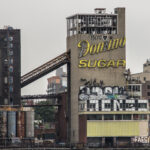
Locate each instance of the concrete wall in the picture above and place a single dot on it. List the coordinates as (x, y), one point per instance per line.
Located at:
(110, 76)
(143, 76)
(61, 119)
(117, 128)
(83, 128)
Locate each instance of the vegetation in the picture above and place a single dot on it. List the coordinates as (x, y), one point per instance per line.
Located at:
(45, 113)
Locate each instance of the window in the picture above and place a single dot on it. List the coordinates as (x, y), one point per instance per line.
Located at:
(144, 78)
(127, 117)
(94, 117)
(129, 88)
(115, 90)
(5, 80)
(143, 105)
(92, 106)
(11, 101)
(10, 89)
(148, 93)
(134, 88)
(107, 105)
(137, 88)
(139, 117)
(143, 117)
(11, 52)
(82, 106)
(5, 61)
(5, 101)
(11, 61)
(108, 117)
(118, 117)
(11, 69)
(11, 80)
(135, 117)
(148, 86)
(10, 45)
(10, 38)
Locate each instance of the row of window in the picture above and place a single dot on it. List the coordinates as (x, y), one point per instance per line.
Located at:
(10, 69)
(134, 88)
(108, 105)
(6, 102)
(117, 117)
(8, 62)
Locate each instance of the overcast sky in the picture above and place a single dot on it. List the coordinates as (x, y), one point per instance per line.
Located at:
(43, 30)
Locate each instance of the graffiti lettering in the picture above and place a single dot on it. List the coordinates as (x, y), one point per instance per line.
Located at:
(92, 82)
(140, 139)
(99, 104)
(99, 98)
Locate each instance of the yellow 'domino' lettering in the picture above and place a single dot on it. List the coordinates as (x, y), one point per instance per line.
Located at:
(84, 52)
(93, 49)
(109, 45)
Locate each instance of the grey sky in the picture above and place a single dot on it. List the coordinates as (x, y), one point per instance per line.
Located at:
(43, 30)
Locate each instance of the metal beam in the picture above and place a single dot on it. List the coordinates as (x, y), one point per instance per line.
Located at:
(40, 96)
(34, 105)
(45, 69)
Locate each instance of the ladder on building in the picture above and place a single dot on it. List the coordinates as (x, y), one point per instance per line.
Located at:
(45, 69)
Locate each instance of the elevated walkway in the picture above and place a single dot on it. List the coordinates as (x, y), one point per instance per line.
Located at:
(44, 69)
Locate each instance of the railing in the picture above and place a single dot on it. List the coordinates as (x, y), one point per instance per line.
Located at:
(41, 100)
(31, 143)
(40, 96)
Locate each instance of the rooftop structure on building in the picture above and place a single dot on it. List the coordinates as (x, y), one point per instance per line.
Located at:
(99, 22)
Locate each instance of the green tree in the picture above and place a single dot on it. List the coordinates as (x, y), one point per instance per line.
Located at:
(45, 113)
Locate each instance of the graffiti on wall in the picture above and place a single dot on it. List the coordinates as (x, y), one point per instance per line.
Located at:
(93, 96)
(96, 89)
(141, 139)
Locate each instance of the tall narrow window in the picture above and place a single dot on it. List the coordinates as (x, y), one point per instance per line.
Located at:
(11, 61)
(6, 101)
(5, 80)
(11, 89)
(10, 52)
(11, 80)
(11, 69)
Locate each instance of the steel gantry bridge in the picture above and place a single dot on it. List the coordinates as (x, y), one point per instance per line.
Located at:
(33, 100)
(40, 72)
(45, 69)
